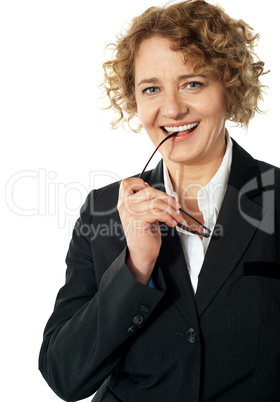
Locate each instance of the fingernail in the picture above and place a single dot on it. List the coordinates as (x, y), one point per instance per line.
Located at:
(177, 203)
(180, 218)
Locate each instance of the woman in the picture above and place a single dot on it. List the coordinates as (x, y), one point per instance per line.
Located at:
(176, 306)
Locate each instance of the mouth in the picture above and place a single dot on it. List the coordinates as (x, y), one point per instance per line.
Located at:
(186, 128)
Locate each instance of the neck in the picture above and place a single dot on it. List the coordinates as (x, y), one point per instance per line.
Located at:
(187, 179)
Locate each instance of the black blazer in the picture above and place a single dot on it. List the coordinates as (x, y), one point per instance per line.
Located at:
(165, 344)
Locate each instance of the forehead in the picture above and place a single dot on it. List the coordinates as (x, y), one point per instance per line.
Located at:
(155, 55)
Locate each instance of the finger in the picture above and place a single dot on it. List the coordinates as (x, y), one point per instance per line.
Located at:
(130, 186)
(156, 206)
(154, 217)
(150, 193)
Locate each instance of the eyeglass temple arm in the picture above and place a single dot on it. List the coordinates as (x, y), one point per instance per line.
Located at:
(165, 139)
(197, 221)
(187, 229)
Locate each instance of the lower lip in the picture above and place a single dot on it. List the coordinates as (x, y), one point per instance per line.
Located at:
(183, 135)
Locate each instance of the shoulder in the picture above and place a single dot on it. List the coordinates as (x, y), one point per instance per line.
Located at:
(270, 179)
(264, 167)
(101, 200)
(270, 174)
(247, 169)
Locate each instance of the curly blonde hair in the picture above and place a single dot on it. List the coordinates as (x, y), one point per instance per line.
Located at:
(219, 43)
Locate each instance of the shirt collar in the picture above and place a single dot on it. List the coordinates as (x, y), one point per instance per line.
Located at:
(211, 196)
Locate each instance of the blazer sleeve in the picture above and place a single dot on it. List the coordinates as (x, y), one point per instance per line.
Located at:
(93, 320)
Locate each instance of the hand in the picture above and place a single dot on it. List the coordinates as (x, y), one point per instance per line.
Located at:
(141, 208)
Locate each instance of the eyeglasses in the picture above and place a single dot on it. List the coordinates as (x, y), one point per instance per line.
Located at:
(180, 225)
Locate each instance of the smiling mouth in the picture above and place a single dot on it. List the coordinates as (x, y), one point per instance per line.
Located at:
(184, 128)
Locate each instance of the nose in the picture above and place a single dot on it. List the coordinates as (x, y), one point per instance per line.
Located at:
(173, 106)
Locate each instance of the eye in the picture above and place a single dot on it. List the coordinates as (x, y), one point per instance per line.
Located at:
(193, 85)
(151, 90)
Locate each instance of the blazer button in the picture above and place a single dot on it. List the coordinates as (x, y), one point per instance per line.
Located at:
(138, 320)
(131, 330)
(191, 336)
(144, 309)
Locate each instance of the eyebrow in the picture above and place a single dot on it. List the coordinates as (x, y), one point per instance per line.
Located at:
(155, 80)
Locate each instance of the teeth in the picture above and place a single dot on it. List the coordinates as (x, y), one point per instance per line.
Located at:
(181, 128)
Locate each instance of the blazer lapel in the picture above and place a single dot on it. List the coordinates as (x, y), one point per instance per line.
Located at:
(234, 229)
(172, 262)
(175, 272)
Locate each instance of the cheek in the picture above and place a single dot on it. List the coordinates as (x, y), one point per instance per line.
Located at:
(214, 104)
(145, 114)
(214, 109)
(141, 114)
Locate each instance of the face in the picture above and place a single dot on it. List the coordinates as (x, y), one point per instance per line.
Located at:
(170, 97)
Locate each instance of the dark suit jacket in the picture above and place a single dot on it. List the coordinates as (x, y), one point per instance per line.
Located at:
(165, 344)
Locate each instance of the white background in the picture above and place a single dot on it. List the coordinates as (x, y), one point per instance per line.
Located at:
(57, 145)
